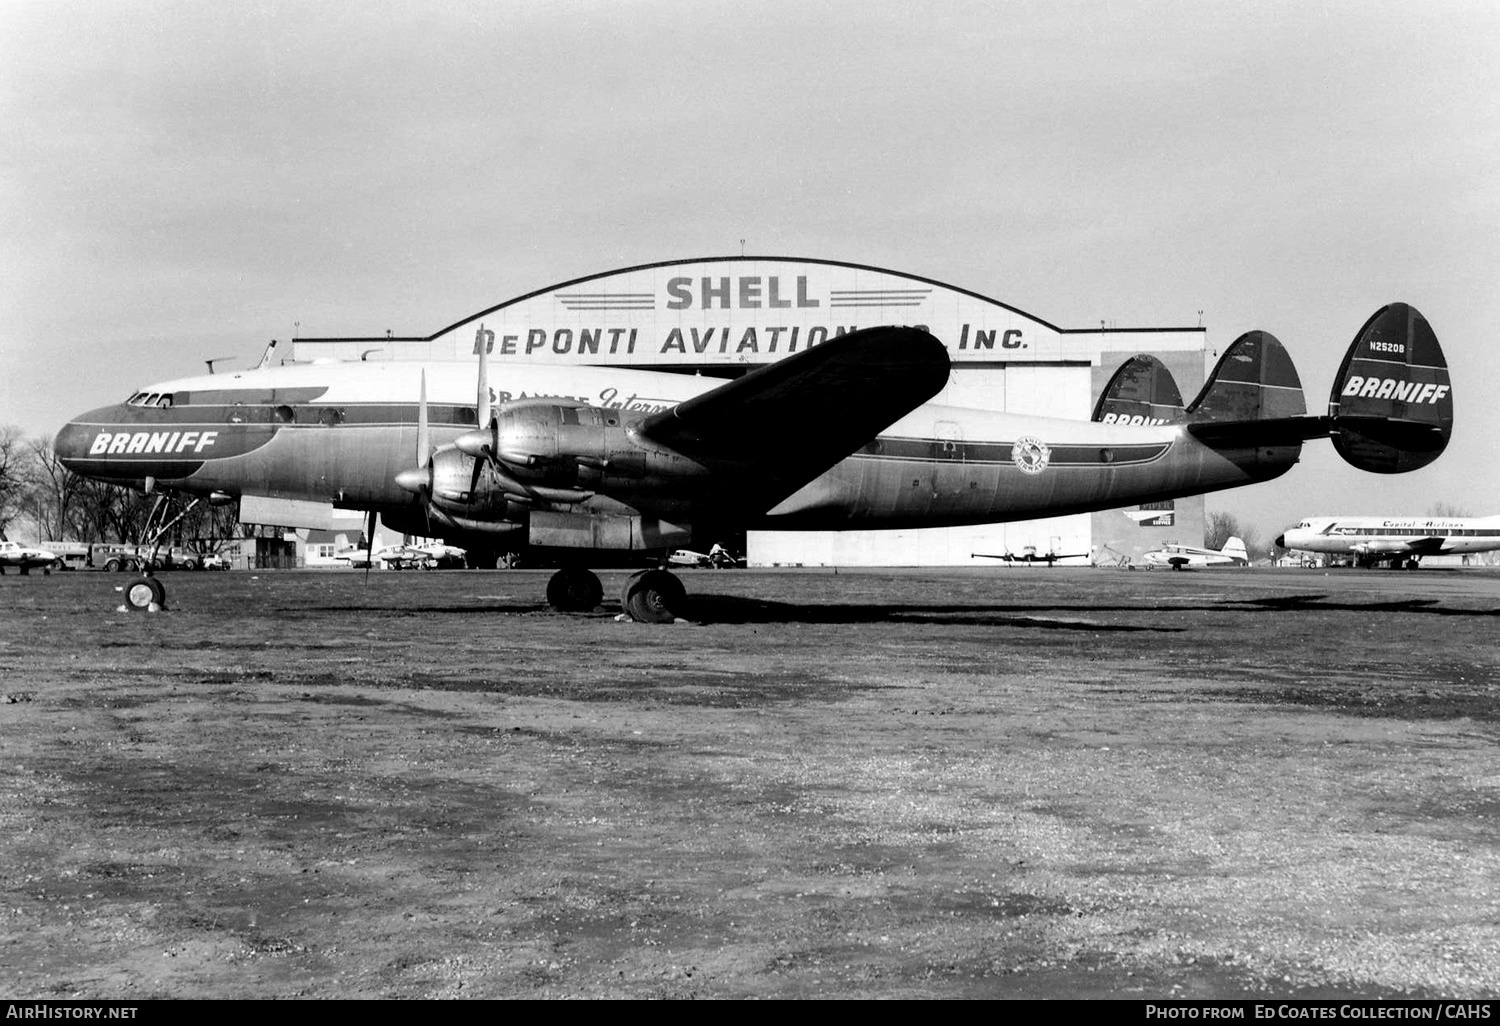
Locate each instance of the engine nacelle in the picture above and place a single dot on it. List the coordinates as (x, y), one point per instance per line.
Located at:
(551, 442)
(456, 490)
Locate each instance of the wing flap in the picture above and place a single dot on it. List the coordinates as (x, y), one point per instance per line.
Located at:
(773, 430)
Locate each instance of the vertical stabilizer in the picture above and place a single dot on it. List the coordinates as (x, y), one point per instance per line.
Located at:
(1254, 380)
(1142, 391)
(1392, 401)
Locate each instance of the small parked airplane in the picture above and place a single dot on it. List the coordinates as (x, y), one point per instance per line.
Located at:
(716, 558)
(842, 436)
(1029, 554)
(1399, 541)
(26, 558)
(1180, 557)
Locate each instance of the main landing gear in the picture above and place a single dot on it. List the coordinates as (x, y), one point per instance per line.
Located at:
(648, 596)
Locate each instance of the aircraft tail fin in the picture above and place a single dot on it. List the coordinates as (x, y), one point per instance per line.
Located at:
(1391, 409)
(1142, 391)
(1236, 547)
(1253, 380)
(1253, 398)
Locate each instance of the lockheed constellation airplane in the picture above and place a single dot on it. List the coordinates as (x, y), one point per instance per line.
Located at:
(840, 436)
(1399, 541)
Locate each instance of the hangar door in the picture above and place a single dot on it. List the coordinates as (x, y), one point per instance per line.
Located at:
(1046, 389)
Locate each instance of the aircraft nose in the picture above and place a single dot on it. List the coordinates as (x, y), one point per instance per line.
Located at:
(1281, 541)
(71, 445)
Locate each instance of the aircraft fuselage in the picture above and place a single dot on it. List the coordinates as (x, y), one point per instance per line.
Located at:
(340, 433)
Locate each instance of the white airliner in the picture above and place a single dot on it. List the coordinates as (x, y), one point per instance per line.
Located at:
(26, 558)
(1399, 541)
(1179, 557)
(842, 436)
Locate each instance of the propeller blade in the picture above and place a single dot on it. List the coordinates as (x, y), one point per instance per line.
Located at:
(424, 451)
(482, 401)
(369, 543)
(474, 477)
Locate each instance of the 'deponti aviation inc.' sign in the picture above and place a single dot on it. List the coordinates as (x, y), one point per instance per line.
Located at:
(746, 310)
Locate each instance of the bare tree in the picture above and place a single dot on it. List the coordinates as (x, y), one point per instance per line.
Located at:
(1219, 527)
(12, 475)
(50, 492)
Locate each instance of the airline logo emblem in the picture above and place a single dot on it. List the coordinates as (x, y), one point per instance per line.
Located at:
(133, 443)
(1394, 388)
(1030, 455)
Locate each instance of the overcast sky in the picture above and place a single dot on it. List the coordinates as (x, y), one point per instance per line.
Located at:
(188, 180)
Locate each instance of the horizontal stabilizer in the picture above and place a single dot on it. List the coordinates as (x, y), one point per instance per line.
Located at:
(773, 430)
(1392, 401)
(1142, 391)
(1248, 434)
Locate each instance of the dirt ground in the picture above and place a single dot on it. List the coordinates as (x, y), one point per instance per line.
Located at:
(1008, 782)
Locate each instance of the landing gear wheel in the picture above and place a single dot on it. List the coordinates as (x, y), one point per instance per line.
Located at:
(574, 590)
(652, 596)
(142, 592)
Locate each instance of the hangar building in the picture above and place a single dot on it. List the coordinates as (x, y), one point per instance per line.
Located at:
(722, 316)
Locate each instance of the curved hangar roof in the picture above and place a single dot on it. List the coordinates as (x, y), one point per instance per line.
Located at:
(716, 311)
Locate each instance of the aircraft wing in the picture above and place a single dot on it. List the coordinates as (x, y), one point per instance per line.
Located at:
(773, 430)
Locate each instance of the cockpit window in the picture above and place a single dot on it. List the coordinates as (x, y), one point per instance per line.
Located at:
(162, 400)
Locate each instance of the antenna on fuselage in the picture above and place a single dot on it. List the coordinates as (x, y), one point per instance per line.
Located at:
(216, 359)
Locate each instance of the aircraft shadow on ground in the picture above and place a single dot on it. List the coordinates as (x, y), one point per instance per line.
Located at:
(735, 610)
(731, 609)
(1318, 603)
